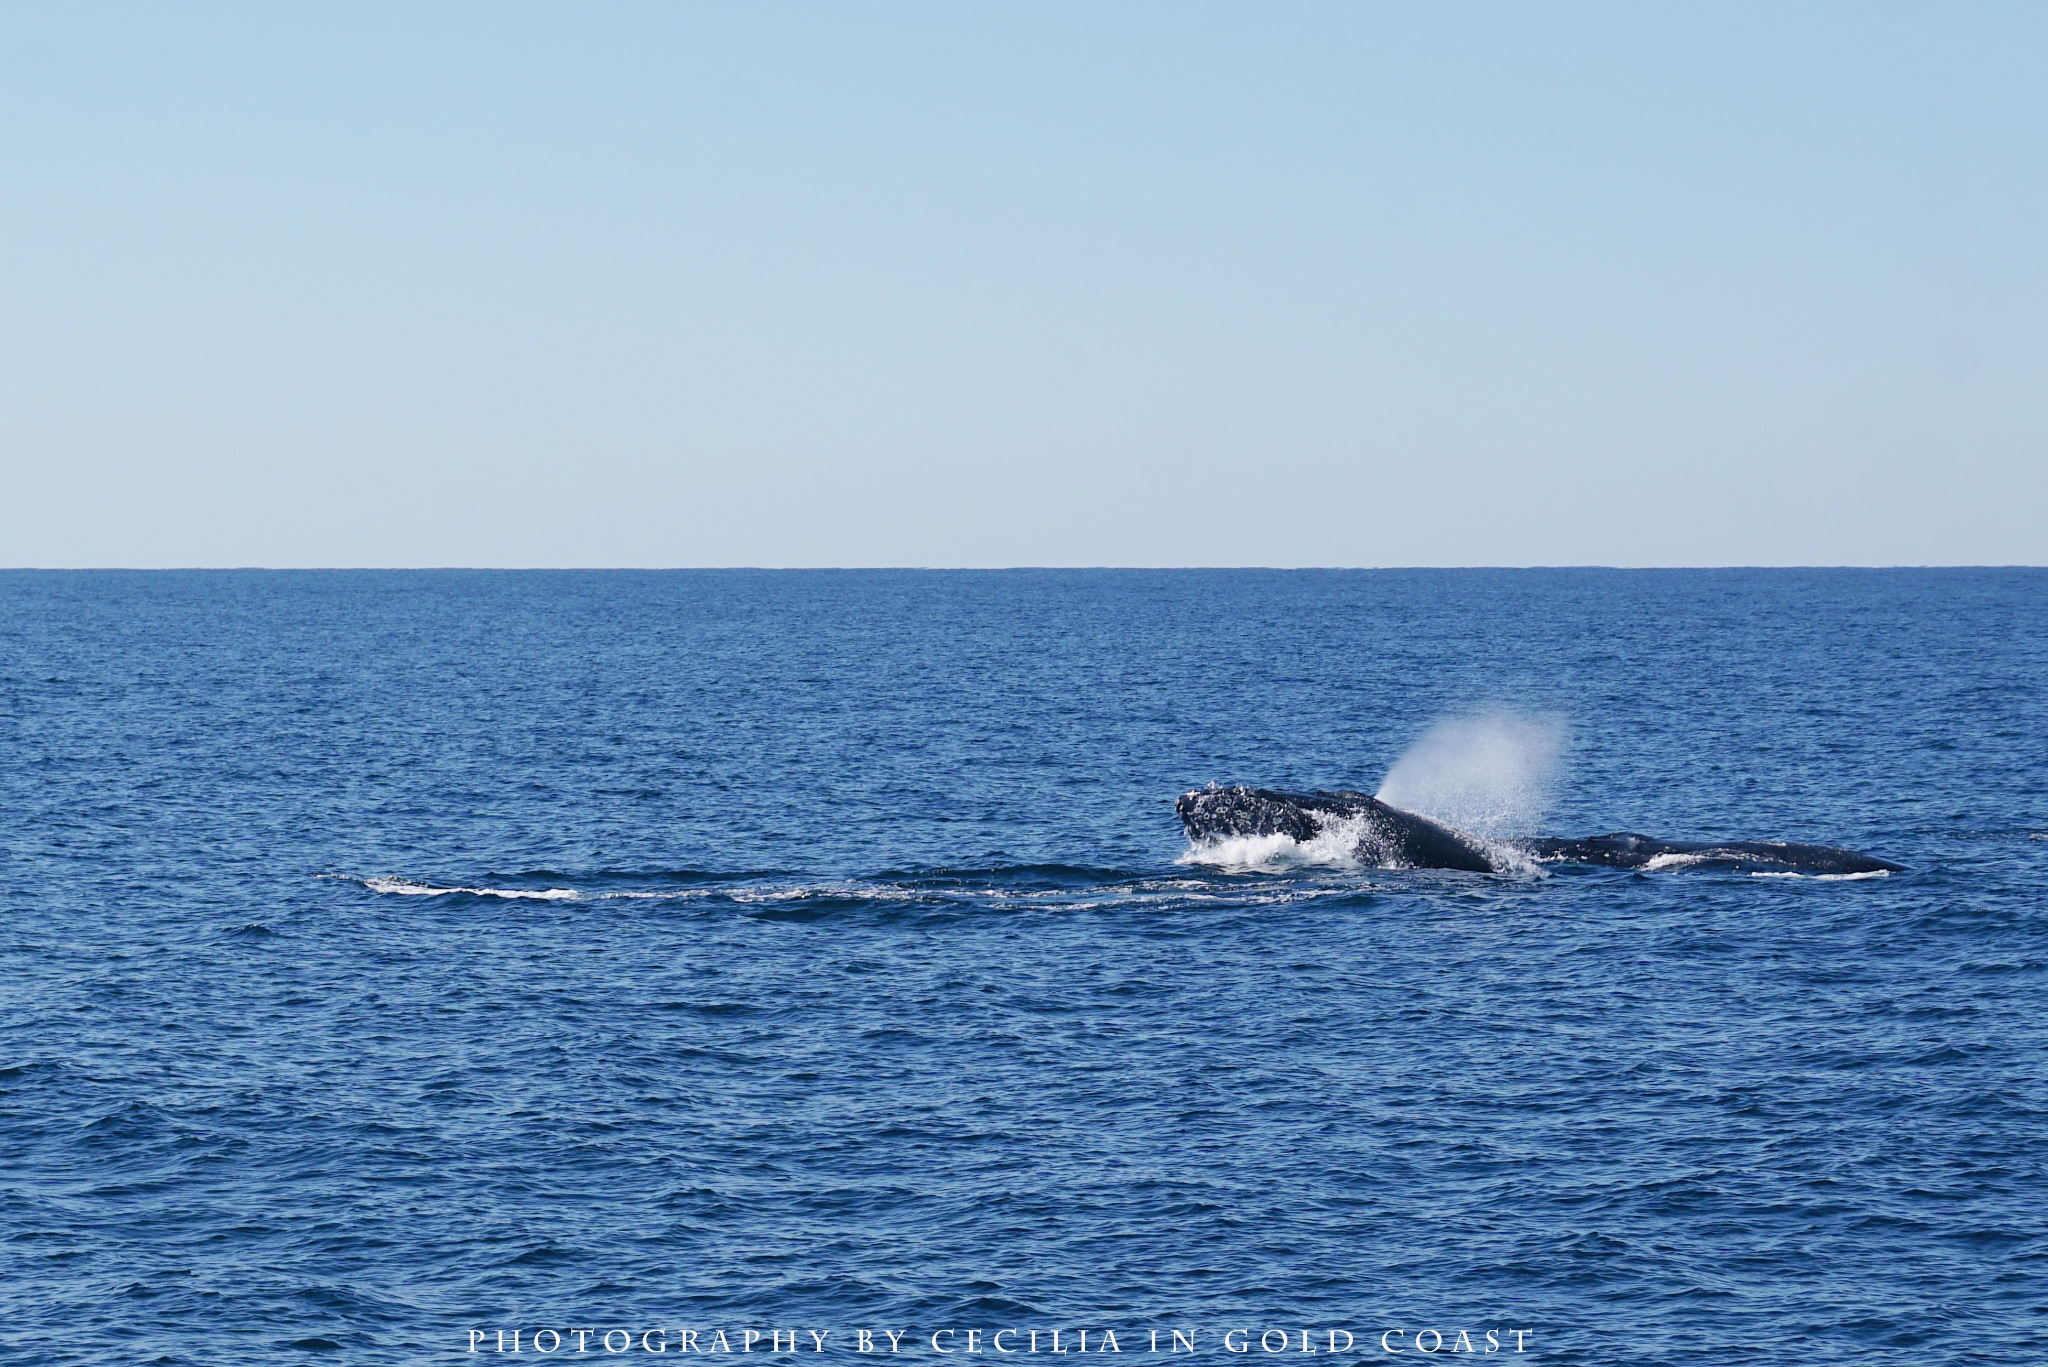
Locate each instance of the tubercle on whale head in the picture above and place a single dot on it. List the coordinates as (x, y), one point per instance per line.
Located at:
(1239, 810)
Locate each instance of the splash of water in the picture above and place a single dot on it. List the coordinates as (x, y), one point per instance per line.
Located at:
(1334, 846)
(1490, 774)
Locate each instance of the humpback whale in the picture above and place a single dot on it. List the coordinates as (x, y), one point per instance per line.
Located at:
(1387, 837)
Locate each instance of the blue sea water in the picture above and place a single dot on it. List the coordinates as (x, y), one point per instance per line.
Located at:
(388, 956)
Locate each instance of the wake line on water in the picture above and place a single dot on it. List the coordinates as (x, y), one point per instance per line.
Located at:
(776, 901)
(406, 887)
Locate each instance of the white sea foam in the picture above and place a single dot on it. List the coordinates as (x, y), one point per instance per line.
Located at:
(1334, 846)
(1490, 774)
(1678, 861)
(1826, 877)
(1511, 858)
(406, 887)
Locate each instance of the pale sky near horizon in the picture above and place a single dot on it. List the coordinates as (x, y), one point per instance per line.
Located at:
(1023, 284)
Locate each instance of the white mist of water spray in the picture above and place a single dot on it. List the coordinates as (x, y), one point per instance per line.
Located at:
(1489, 774)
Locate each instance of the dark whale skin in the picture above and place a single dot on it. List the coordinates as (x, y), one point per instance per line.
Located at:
(1627, 850)
(1388, 836)
(1391, 838)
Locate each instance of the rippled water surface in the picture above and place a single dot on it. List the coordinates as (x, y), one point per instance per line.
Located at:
(387, 956)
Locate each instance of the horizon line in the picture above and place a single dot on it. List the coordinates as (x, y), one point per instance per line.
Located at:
(968, 569)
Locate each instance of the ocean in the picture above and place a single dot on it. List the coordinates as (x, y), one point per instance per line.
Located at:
(396, 965)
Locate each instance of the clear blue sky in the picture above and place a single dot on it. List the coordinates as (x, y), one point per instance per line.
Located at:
(998, 284)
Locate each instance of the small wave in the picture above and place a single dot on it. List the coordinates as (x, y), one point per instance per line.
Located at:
(406, 887)
(831, 892)
(1001, 873)
(1825, 877)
